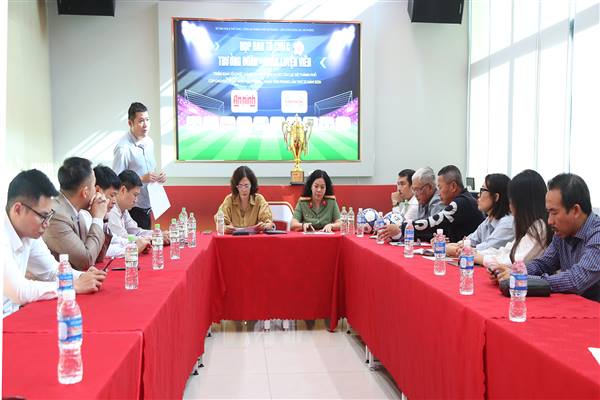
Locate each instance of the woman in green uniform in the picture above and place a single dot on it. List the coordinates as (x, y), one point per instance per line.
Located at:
(317, 208)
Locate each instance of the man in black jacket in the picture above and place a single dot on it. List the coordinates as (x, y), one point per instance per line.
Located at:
(458, 219)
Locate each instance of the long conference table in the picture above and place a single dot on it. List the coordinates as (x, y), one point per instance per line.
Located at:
(433, 341)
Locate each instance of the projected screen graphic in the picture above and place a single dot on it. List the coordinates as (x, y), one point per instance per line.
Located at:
(236, 83)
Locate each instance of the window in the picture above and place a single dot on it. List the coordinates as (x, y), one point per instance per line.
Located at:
(534, 88)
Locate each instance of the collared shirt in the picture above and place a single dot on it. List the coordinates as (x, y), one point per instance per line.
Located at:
(493, 233)
(326, 214)
(258, 211)
(434, 206)
(122, 225)
(138, 156)
(408, 209)
(572, 264)
(29, 257)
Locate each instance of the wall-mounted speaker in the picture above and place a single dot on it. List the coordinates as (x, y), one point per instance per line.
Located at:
(86, 7)
(437, 11)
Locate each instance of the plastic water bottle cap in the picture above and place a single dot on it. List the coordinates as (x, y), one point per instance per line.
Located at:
(440, 231)
(467, 243)
(182, 209)
(173, 220)
(157, 226)
(131, 238)
(63, 258)
(191, 214)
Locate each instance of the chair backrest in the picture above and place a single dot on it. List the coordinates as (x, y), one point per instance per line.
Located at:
(282, 211)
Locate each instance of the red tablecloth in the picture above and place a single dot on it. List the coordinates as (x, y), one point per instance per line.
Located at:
(433, 341)
(542, 359)
(288, 276)
(171, 308)
(430, 338)
(111, 366)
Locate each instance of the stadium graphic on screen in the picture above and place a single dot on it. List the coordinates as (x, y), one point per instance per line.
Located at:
(236, 82)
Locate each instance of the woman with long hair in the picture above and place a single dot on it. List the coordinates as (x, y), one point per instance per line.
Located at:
(527, 199)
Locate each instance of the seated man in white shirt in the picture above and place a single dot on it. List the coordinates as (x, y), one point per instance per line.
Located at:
(404, 201)
(108, 183)
(30, 271)
(120, 222)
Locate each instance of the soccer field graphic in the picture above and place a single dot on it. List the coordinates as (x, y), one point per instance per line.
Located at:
(237, 82)
(207, 137)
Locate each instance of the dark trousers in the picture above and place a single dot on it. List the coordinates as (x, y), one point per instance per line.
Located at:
(141, 216)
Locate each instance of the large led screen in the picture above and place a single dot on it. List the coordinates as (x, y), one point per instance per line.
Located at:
(237, 82)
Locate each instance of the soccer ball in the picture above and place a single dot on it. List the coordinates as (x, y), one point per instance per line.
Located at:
(393, 218)
(370, 216)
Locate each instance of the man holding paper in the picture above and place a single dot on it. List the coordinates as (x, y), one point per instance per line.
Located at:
(135, 151)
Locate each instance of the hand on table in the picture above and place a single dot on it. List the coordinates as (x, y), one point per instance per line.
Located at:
(166, 238)
(388, 232)
(143, 244)
(90, 281)
(327, 228)
(453, 249)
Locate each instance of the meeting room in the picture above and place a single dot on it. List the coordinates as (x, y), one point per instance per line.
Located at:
(300, 199)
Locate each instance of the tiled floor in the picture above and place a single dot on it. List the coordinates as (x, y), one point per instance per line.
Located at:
(243, 362)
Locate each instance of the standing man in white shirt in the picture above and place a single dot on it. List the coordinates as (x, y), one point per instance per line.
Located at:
(120, 222)
(29, 211)
(135, 151)
(404, 201)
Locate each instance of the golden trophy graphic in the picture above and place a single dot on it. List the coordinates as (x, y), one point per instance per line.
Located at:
(297, 136)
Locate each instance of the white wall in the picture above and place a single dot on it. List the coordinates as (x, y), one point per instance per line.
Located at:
(414, 84)
(99, 65)
(29, 118)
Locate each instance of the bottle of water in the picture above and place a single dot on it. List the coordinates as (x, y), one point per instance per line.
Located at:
(131, 264)
(466, 269)
(439, 250)
(174, 237)
(158, 260)
(70, 337)
(409, 239)
(183, 217)
(517, 311)
(379, 225)
(350, 218)
(191, 231)
(360, 223)
(65, 279)
(220, 223)
(344, 219)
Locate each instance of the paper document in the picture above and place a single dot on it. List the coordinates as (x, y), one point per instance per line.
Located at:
(595, 352)
(318, 233)
(159, 201)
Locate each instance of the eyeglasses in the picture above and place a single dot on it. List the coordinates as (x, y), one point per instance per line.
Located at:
(45, 218)
(417, 190)
(244, 186)
(481, 190)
